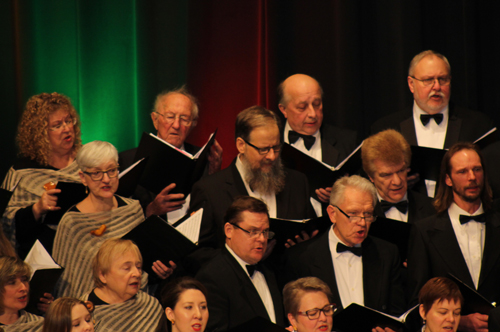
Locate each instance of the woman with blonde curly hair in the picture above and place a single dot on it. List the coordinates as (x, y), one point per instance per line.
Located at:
(48, 139)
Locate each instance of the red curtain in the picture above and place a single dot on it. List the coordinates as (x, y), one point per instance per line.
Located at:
(230, 65)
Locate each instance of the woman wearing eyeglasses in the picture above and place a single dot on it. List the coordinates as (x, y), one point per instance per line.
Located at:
(48, 138)
(308, 305)
(101, 215)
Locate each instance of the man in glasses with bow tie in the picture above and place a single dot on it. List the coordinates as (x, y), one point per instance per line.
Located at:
(301, 102)
(433, 121)
(386, 157)
(357, 267)
(462, 239)
(239, 286)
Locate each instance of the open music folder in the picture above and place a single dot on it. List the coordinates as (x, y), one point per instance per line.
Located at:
(320, 174)
(168, 164)
(158, 240)
(45, 274)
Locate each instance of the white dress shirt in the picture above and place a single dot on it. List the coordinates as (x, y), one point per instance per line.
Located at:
(394, 213)
(348, 272)
(269, 199)
(315, 150)
(432, 135)
(470, 237)
(260, 283)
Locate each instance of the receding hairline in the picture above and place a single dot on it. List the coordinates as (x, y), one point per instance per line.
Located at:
(283, 90)
(422, 55)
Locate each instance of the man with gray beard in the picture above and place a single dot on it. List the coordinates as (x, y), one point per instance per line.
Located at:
(257, 171)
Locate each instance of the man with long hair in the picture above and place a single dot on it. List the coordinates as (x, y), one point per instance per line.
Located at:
(462, 238)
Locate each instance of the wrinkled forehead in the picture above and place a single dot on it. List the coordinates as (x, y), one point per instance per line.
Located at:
(175, 103)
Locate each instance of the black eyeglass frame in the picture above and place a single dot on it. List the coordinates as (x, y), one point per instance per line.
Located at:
(317, 312)
(91, 174)
(356, 219)
(264, 151)
(427, 81)
(255, 234)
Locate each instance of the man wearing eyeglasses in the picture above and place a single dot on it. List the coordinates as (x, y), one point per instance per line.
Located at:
(257, 171)
(358, 268)
(301, 102)
(239, 286)
(433, 121)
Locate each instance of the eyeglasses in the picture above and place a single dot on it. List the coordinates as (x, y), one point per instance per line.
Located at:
(98, 175)
(355, 219)
(255, 233)
(264, 151)
(69, 122)
(328, 310)
(170, 118)
(430, 81)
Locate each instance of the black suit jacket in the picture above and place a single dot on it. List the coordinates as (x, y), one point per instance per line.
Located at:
(419, 207)
(381, 271)
(215, 193)
(232, 297)
(336, 143)
(434, 252)
(463, 125)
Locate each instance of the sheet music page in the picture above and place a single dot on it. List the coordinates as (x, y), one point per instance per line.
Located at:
(38, 258)
(190, 228)
(173, 147)
(129, 168)
(197, 155)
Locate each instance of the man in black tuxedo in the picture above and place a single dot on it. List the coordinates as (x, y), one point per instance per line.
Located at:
(239, 286)
(432, 121)
(257, 172)
(386, 157)
(357, 267)
(301, 102)
(174, 117)
(462, 239)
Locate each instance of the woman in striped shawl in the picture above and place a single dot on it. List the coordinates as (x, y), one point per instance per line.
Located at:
(119, 304)
(48, 138)
(101, 215)
(14, 289)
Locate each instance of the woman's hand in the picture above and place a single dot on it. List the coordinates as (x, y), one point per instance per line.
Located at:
(46, 203)
(45, 302)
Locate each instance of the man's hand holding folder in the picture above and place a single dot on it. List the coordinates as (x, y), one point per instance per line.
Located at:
(165, 202)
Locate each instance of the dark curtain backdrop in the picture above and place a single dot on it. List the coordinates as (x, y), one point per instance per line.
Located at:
(111, 57)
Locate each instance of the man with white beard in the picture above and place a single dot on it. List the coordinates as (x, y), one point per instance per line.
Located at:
(257, 171)
(433, 121)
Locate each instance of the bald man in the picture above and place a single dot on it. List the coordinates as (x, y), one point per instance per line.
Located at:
(301, 102)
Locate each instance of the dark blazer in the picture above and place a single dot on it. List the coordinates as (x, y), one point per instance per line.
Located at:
(215, 193)
(463, 125)
(232, 297)
(381, 271)
(434, 251)
(494, 320)
(419, 207)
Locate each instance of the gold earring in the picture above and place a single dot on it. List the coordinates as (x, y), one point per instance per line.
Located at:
(86, 189)
(173, 322)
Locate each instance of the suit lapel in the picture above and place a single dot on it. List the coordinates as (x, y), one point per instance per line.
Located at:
(247, 289)
(371, 267)
(442, 237)
(329, 154)
(413, 209)
(275, 295)
(322, 267)
(235, 184)
(453, 130)
(408, 130)
(491, 251)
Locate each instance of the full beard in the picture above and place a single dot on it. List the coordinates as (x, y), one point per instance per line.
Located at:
(271, 182)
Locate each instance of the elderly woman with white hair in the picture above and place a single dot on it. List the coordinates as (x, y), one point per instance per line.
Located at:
(101, 215)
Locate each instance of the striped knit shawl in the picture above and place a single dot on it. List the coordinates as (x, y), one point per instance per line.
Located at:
(26, 322)
(30, 182)
(141, 313)
(75, 248)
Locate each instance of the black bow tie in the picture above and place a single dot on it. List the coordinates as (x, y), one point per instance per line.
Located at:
(465, 219)
(402, 206)
(309, 140)
(355, 250)
(425, 118)
(252, 268)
